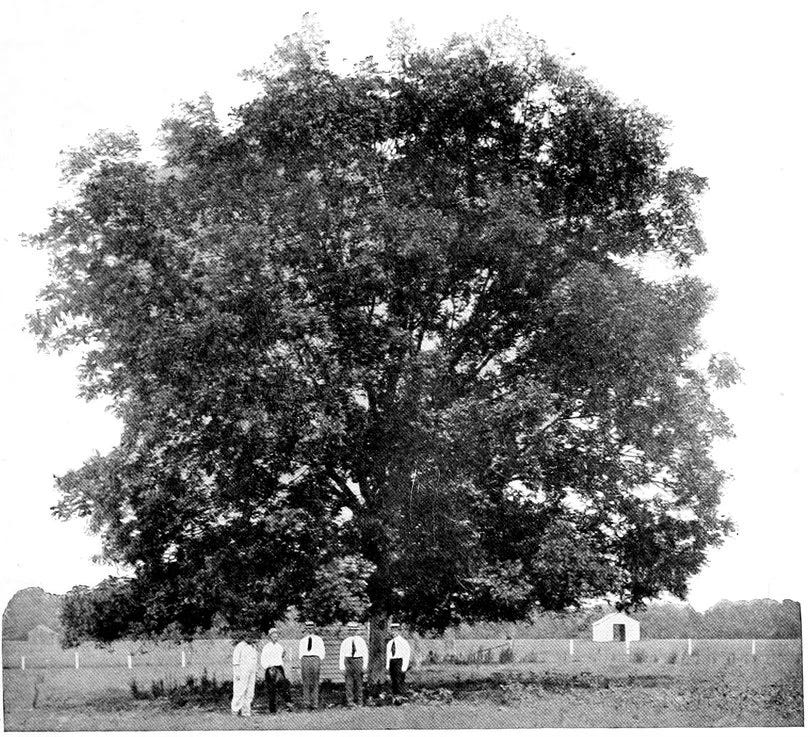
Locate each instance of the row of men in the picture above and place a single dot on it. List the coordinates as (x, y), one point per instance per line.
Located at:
(353, 662)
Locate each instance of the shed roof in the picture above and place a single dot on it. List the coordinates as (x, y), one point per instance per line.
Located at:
(614, 616)
(43, 628)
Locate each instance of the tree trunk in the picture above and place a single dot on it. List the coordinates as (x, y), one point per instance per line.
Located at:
(377, 649)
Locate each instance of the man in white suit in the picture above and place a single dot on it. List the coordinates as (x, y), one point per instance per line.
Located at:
(244, 662)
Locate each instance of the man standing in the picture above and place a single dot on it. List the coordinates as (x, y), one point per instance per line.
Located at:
(272, 662)
(311, 653)
(398, 653)
(244, 661)
(353, 658)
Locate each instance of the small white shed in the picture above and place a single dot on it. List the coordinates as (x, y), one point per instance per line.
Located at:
(616, 627)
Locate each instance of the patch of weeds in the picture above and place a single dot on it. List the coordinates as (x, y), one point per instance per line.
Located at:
(434, 695)
(511, 693)
(137, 693)
(205, 692)
(432, 658)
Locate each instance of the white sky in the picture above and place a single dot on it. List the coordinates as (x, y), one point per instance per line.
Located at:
(731, 77)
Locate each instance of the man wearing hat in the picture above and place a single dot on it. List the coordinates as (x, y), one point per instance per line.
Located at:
(272, 662)
(311, 653)
(353, 659)
(398, 653)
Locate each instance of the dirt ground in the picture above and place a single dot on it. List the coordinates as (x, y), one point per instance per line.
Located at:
(703, 692)
(632, 707)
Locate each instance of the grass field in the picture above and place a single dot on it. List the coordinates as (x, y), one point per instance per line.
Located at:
(655, 684)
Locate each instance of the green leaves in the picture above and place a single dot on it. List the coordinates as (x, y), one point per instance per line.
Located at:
(724, 370)
(104, 613)
(339, 592)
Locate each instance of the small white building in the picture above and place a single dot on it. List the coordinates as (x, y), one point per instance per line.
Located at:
(616, 627)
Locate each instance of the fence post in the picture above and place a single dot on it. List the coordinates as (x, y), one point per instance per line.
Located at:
(690, 647)
(182, 658)
(76, 659)
(129, 661)
(753, 648)
(22, 662)
(572, 648)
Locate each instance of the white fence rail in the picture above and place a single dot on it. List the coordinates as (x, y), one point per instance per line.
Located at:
(216, 654)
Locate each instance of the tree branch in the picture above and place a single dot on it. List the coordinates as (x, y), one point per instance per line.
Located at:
(353, 500)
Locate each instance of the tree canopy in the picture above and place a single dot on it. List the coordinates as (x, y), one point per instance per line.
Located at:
(381, 346)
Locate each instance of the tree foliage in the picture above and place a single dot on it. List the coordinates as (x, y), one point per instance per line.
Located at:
(28, 608)
(380, 346)
(727, 620)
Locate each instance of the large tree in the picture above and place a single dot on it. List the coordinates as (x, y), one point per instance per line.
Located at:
(382, 346)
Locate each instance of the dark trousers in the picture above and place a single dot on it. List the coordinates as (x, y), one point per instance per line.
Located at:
(276, 683)
(397, 676)
(311, 675)
(354, 680)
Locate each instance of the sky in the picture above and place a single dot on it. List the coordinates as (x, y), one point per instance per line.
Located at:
(731, 77)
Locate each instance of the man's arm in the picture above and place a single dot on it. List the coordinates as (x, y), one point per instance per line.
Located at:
(407, 655)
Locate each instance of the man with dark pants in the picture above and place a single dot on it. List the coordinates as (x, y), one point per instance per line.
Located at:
(272, 662)
(311, 653)
(398, 654)
(353, 659)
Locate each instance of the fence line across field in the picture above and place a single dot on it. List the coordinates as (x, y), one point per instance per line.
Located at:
(215, 655)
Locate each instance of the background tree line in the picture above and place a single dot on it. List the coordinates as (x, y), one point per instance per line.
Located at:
(726, 620)
(756, 618)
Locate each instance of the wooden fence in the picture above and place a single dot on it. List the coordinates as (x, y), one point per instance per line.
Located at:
(215, 655)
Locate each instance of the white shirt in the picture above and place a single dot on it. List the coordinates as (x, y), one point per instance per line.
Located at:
(244, 655)
(346, 651)
(402, 650)
(272, 654)
(244, 660)
(316, 646)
